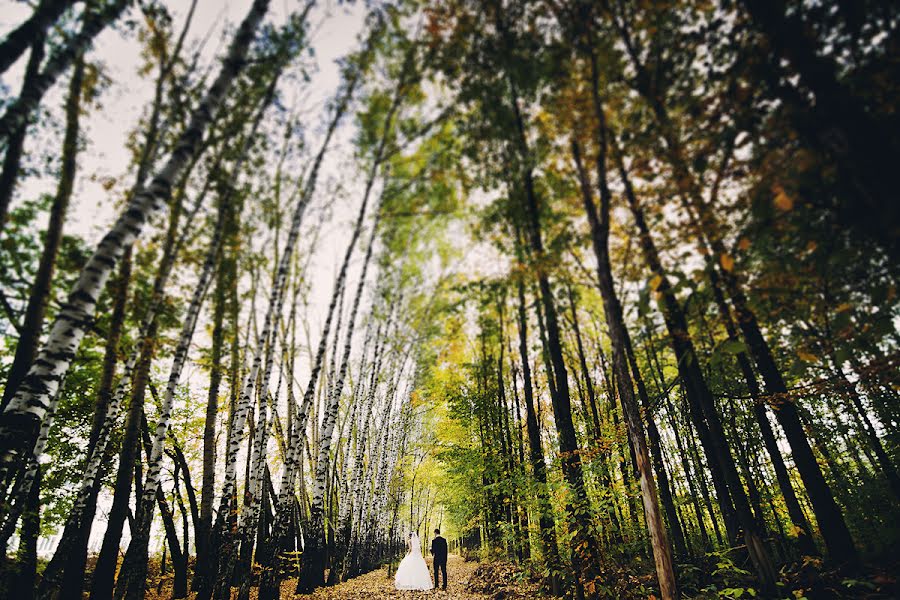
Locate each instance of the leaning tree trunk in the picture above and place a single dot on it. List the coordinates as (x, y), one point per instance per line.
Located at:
(103, 576)
(549, 548)
(33, 28)
(618, 335)
(312, 574)
(656, 453)
(76, 557)
(33, 323)
(254, 490)
(15, 143)
(23, 415)
(23, 581)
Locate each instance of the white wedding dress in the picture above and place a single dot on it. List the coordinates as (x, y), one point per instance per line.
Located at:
(413, 574)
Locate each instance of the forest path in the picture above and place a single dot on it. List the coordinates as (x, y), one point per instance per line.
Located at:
(378, 585)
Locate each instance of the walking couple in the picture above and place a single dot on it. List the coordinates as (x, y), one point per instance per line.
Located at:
(412, 574)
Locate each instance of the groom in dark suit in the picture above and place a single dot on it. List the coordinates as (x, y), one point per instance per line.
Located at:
(439, 552)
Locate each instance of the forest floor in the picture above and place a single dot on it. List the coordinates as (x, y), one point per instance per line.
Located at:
(462, 575)
(468, 580)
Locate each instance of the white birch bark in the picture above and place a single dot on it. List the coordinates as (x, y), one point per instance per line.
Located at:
(23, 485)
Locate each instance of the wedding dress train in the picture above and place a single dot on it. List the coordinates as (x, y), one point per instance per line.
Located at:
(413, 574)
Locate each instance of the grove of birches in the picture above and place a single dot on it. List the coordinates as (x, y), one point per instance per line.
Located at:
(604, 289)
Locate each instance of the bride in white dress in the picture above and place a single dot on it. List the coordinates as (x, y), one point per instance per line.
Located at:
(413, 574)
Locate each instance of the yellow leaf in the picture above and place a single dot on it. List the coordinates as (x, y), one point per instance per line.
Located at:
(806, 356)
(782, 201)
(844, 307)
(744, 244)
(655, 282)
(727, 262)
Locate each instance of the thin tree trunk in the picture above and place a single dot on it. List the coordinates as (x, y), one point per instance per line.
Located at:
(582, 358)
(15, 143)
(665, 491)
(549, 549)
(619, 338)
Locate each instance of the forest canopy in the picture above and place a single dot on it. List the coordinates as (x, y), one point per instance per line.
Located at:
(606, 291)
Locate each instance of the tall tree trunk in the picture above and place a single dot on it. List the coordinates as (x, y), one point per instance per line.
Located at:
(619, 338)
(549, 549)
(15, 143)
(74, 545)
(33, 323)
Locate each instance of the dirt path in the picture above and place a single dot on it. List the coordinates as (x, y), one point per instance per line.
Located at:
(377, 584)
